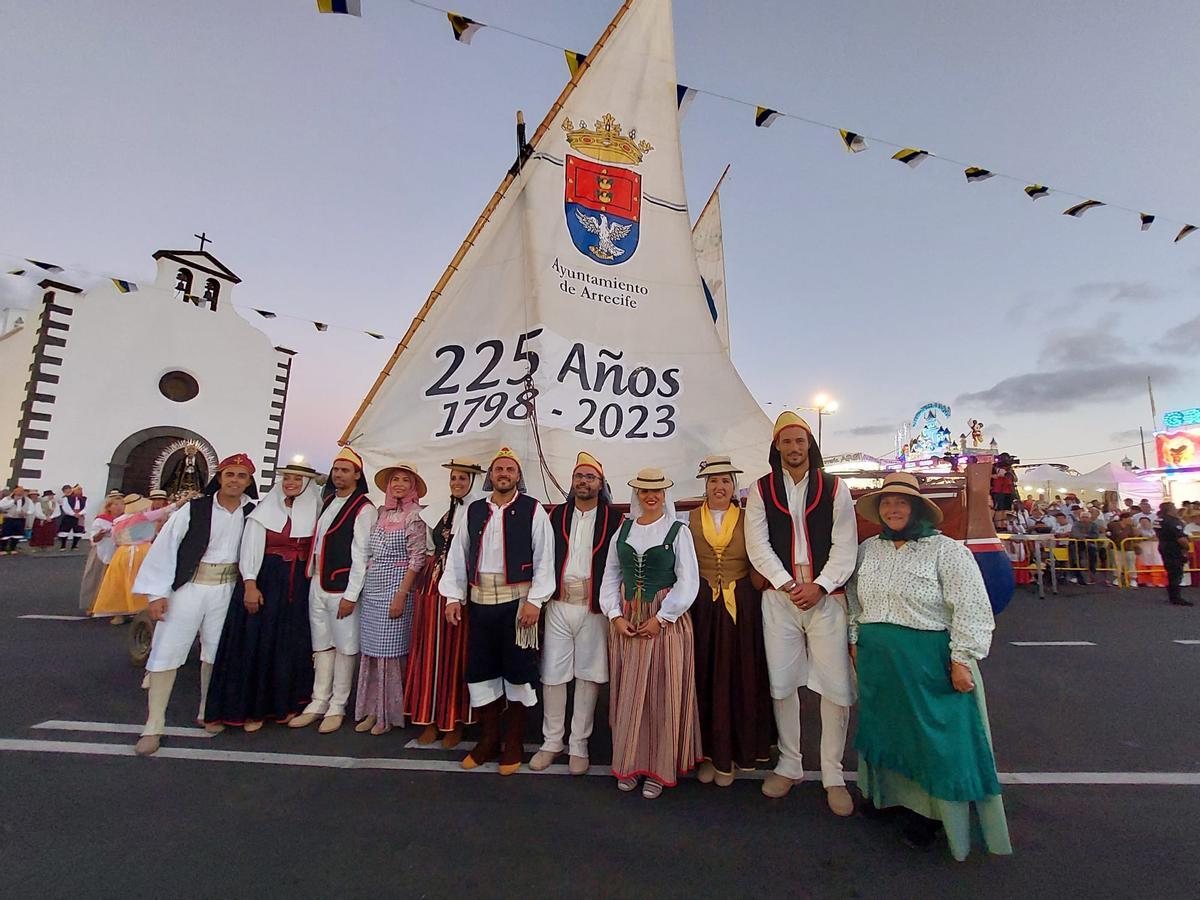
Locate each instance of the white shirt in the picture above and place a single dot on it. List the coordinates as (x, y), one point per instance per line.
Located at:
(102, 539)
(17, 507)
(454, 584)
(932, 584)
(842, 554)
(157, 573)
(687, 570)
(359, 545)
(583, 535)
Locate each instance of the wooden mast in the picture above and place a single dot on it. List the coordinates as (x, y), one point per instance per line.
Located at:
(484, 218)
(711, 197)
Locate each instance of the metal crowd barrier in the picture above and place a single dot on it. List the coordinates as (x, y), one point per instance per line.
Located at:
(1051, 554)
(1156, 574)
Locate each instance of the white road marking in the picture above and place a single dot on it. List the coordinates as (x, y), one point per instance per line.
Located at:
(436, 765)
(58, 618)
(1052, 643)
(118, 728)
(1187, 642)
(464, 746)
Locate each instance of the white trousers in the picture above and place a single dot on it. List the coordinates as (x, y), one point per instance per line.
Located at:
(191, 610)
(807, 649)
(484, 692)
(575, 645)
(328, 631)
(554, 716)
(835, 720)
(333, 676)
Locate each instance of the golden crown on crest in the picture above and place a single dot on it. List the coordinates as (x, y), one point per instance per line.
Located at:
(605, 141)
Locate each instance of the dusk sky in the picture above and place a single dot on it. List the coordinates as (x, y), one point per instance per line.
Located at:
(337, 163)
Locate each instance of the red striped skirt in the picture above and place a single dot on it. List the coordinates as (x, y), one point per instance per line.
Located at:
(652, 702)
(435, 685)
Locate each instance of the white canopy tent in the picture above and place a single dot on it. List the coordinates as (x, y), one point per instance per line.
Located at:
(1110, 477)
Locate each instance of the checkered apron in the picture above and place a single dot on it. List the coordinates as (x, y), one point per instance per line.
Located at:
(379, 635)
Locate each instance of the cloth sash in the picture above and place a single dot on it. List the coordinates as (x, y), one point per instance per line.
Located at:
(493, 590)
(214, 574)
(719, 541)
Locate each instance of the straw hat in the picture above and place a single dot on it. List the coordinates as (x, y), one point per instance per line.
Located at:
(384, 475)
(131, 498)
(651, 480)
(462, 464)
(717, 465)
(895, 483)
(135, 503)
(158, 494)
(298, 469)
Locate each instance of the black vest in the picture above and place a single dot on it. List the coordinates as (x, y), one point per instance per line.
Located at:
(443, 532)
(607, 522)
(818, 518)
(516, 530)
(195, 542)
(336, 548)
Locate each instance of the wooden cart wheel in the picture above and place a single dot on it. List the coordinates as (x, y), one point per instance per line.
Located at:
(140, 635)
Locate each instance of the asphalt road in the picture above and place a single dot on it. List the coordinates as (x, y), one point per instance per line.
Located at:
(297, 813)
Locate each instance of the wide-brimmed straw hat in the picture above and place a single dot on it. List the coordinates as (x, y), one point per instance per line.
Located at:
(896, 483)
(384, 475)
(717, 465)
(158, 494)
(462, 464)
(298, 469)
(651, 480)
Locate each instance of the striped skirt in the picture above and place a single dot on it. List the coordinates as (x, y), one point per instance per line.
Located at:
(652, 702)
(435, 685)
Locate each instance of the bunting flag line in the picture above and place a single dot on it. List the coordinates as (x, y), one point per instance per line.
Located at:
(1037, 191)
(49, 267)
(1147, 221)
(974, 173)
(1183, 232)
(266, 314)
(125, 287)
(684, 96)
(320, 326)
(854, 142)
(574, 60)
(1080, 208)
(464, 28)
(911, 156)
(764, 117)
(345, 7)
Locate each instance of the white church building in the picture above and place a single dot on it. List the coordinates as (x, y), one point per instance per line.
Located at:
(134, 387)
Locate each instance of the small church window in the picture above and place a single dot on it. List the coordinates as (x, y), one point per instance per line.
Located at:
(178, 386)
(212, 290)
(183, 283)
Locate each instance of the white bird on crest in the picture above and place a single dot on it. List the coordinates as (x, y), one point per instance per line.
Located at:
(607, 232)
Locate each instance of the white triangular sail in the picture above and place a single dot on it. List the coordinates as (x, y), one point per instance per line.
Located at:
(708, 242)
(582, 267)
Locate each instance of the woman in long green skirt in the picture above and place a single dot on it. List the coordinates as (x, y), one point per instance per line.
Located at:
(920, 620)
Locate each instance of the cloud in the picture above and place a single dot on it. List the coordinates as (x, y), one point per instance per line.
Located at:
(1063, 389)
(1065, 347)
(1121, 291)
(1183, 338)
(870, 430)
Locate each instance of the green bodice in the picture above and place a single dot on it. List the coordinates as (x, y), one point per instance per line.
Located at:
(645, 574)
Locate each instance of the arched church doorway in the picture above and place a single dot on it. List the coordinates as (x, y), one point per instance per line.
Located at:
(168, 457)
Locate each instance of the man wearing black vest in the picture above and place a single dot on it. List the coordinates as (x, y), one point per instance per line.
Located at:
(190, 573)
(576, 643)
(802, 536)
(504, 561)
(337, 566)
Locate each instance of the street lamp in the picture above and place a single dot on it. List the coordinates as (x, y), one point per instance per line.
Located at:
(824, 406)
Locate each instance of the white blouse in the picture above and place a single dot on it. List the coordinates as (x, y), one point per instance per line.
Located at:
(680, 596)
(933, 584)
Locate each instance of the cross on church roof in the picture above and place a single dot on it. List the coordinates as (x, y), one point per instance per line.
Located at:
(203, 238)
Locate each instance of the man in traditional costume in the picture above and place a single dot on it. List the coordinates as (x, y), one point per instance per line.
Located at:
(435, 685)
(504, 561)
(802, 536)
(337, 566)
(190, 574)
(576, 643)
(14, 508)
(71, 516)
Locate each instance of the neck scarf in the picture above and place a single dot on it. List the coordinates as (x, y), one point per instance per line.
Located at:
(719, 541)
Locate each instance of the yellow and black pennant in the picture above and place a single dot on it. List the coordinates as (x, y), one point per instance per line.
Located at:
(764, 116)
(321, 326)
(1036, 191)
(1184, 232)
(854, 142)
(974, 173)
(1080, 208)
(911, 156)
(464, 28)
(574, 60)
(1147, 221)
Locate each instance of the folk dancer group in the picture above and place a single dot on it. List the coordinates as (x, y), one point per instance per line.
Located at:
(706, 620)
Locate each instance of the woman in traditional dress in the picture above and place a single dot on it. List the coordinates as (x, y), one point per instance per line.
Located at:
(264, 666)
(435, 684)
(650, 581)
(732, 689)
(397, 554)
(101, 554)
(45, 526)
(133, 533)
(920, 620)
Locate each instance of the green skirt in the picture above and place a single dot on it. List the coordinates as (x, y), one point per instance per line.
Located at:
(921, 744)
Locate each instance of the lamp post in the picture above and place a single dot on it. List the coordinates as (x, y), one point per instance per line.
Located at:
(824, 406)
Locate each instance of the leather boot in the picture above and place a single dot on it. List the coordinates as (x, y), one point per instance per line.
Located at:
(514, 738)
(488, 747)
